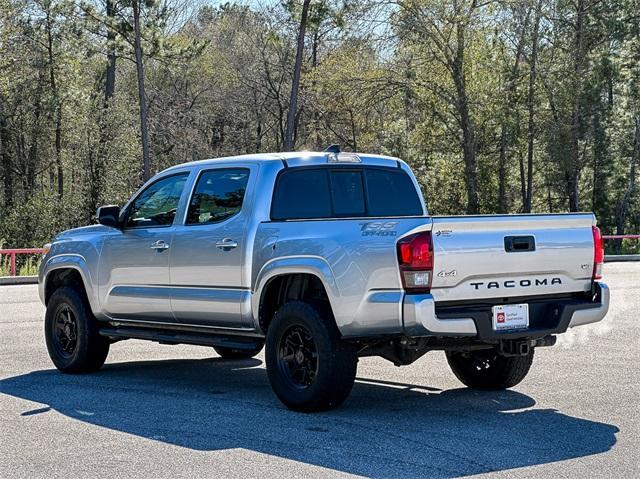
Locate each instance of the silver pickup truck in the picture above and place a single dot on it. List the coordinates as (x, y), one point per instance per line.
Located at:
(325, 257)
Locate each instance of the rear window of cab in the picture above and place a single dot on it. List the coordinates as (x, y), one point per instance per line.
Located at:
(344, 192)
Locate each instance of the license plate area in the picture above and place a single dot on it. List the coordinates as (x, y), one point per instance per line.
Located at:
(509, 317)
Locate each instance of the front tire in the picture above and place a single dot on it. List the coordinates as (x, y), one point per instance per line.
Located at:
(71, 333)
(488, 370)
(309, 366)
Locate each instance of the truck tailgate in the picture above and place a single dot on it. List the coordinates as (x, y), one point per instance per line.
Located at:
(482, 257)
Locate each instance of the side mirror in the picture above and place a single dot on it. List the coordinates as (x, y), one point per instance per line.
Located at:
(108, 215)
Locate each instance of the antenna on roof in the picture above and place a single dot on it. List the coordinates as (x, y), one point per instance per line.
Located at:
(335, 148)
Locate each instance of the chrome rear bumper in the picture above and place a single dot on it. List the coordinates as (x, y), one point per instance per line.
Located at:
(420, 317)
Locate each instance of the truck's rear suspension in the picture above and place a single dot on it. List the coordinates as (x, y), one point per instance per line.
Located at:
(403, 350)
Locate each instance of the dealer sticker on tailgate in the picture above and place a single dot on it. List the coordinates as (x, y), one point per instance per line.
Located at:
(510, 316)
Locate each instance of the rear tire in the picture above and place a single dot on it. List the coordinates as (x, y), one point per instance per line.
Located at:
(230, 353)
(488, 370)
(309, 366)
(71, 333)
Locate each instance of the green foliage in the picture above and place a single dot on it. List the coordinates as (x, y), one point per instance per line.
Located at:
(5, 266)
(376, 77)
(30, 266)
(26, 265)
(34, 222)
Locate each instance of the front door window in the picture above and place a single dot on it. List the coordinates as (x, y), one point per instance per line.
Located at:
(156, 206)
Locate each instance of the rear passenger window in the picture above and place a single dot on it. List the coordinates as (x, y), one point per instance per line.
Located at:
(302, 194)
(218, 195)
(334, 192)
(391, 193)
(348, 193)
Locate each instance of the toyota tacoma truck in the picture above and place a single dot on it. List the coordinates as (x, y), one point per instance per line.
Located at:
(324, 258)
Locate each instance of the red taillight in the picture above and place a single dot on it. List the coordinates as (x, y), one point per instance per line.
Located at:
(598, 253)
(415, 256)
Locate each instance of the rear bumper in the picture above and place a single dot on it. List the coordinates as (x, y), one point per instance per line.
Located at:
(595, 313)
(422, 317)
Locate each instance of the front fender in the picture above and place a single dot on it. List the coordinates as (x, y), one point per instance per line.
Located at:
(313, 265)
(72, 261)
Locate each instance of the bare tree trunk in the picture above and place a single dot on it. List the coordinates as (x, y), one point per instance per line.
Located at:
(57, 106)
(354, 138)
(295, 84)
(144, 135)
(466, 124)
(572, 178)
(574, 167)
(508, 112)
(601, 156)
(97, 162)
(32, 159)
(623, 204)
(258, 145)
(502, 169)
(316, 113)
(523, 185)
(110, 81)
(5, 160)
(531, 109)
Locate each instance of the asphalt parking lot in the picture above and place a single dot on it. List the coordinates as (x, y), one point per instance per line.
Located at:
(181, 411)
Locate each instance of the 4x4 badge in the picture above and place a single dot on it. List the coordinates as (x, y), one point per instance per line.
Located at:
(447, 274)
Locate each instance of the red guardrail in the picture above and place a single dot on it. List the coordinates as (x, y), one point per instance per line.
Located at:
(621, 257)
(614, 237)
(13, 252)
(12, 256)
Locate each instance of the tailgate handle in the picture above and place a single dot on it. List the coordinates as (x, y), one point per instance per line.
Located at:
(516, 244)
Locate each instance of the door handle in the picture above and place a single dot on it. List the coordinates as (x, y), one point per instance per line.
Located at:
(226, 244)
(159, 245)
(514, 244)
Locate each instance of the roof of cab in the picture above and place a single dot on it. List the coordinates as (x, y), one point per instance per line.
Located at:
(294, 158)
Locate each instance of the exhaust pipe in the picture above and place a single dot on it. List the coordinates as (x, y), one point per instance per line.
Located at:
(546, 341)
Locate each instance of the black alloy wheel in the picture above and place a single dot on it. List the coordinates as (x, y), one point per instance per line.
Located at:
(309, 365)
(298, 357)
(65, 331)
(72, 332)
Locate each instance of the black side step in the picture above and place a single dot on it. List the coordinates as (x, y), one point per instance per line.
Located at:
(180, 337)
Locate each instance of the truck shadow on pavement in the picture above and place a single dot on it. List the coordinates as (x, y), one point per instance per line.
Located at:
(385, 429)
